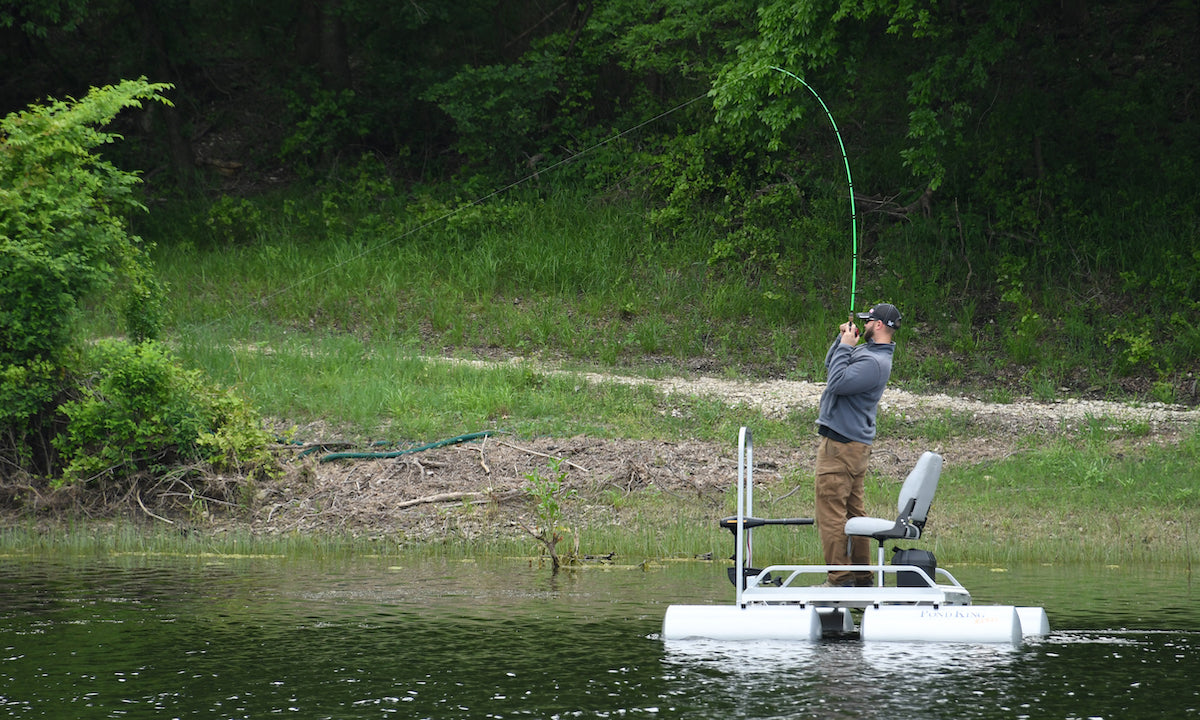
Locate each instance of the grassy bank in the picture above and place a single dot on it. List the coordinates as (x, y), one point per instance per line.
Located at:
(1079, 500)
(1107, 495)
(1055, 505)
(592, 280)
(322, 314)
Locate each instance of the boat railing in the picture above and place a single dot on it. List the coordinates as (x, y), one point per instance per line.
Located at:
(782, 584)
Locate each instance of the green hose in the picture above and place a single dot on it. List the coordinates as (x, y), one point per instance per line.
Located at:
(398, 453)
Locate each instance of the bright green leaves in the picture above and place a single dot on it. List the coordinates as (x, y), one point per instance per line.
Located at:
(63, 238)
(63, 232)
(128, 407)
(140, 412)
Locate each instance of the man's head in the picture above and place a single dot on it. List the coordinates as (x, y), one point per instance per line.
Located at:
(882, 322)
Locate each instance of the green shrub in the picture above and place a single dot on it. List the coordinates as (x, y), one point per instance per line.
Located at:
(137, 410)
(63, 238)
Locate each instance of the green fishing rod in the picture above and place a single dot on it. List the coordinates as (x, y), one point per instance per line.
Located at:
(849, 181)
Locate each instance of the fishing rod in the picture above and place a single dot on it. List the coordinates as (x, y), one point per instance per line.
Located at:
(849, 181)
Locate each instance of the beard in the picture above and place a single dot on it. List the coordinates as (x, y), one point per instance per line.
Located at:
(869, 333)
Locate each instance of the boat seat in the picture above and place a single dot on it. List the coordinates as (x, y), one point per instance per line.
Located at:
(916, 495)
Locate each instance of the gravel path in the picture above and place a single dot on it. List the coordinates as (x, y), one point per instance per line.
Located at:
(778, 398)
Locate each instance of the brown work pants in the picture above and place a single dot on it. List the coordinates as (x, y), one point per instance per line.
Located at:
(841, 468)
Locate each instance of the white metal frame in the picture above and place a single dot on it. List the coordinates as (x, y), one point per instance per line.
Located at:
(783, 588)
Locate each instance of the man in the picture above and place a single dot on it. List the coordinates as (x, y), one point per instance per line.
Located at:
(857, 375)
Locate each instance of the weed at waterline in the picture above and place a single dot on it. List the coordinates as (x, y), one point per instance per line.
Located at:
(548, 492)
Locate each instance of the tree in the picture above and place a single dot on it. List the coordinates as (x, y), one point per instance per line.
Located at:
(63, 238)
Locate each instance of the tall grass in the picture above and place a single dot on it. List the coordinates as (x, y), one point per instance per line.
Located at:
(116, 540)
(576, 277)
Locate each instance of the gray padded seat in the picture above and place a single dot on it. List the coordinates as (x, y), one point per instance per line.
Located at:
(916, 496)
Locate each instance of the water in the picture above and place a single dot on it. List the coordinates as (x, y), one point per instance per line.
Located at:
(146, 637)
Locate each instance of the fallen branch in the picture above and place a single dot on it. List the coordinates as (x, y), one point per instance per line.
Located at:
(440, 497)
(147, 511)
(541, 454)
(473, 497)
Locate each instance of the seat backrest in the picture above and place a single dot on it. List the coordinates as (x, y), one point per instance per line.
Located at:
(919, 487)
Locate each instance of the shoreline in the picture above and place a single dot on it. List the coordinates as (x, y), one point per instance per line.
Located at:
(662, 498)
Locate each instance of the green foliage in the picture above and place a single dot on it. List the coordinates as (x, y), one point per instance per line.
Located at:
(548, 493)
(138, 411)
(1133, 349)
(325, 120)
(234, 221)
(498, 110)
(36, 19)
(27, 388)
(460, 221)
(63, 239)
(1024, 340)
(62, 216)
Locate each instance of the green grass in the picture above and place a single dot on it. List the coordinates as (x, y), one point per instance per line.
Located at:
(117, 539)
(331, 316)
(572, 277)
(384, 390)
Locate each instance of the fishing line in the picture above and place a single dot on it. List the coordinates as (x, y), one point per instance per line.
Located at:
(442, 218)
(533, 175)
(849, 181)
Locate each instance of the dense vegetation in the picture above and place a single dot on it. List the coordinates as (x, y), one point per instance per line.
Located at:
(115, 409)
(609, 182)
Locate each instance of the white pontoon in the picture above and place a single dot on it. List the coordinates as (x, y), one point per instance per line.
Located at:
(910, 600)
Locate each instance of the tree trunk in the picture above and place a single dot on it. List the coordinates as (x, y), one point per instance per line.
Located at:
(182, 161)
(321, 41)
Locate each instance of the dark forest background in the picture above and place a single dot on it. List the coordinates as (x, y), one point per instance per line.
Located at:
(1035, 160)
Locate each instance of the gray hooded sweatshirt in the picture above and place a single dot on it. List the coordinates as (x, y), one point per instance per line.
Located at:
(856, 378)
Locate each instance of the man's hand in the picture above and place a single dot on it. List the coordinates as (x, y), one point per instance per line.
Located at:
(849, 333)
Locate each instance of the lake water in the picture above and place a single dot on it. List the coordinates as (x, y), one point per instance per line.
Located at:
(151, 637)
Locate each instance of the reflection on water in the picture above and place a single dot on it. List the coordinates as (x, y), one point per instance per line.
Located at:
(844, 678)
(1069, 675)
(145, 637)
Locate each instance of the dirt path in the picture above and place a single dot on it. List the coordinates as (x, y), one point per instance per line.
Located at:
(427, 495)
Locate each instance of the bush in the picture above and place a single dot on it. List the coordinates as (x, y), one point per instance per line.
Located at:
(128, 407)
(63, 239)
(138, 411)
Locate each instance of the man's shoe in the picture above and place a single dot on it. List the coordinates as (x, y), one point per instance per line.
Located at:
(864, 582)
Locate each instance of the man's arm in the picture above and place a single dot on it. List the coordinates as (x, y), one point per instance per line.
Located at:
(847, 335)
(848, 374)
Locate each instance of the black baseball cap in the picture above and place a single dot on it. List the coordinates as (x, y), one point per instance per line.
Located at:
(885, 313)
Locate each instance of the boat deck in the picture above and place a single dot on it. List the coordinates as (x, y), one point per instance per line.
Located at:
(783, 587)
